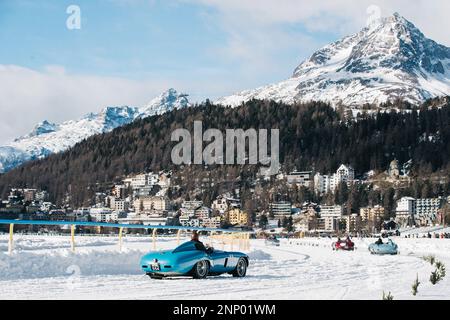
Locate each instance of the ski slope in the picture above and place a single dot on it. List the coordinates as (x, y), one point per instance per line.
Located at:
(43, 267)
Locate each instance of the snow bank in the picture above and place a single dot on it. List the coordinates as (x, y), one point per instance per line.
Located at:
(34, 244)
(26, 265)
(423, 230)
(259, 255)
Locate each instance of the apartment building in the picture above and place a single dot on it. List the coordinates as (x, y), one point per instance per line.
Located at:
(151, 203)
(300, 178)
(237, 217)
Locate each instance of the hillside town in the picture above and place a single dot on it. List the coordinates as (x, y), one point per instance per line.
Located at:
(145, 199)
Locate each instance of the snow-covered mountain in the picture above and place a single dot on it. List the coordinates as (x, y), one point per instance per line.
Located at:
(387, 60)
(47, 138)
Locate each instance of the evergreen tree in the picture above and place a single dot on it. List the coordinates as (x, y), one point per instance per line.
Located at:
(263, 221)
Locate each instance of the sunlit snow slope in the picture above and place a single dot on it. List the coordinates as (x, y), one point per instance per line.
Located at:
(47, 138)
(387, 60)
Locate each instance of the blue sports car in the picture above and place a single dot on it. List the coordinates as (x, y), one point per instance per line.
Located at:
(383, 248)
(194, 259)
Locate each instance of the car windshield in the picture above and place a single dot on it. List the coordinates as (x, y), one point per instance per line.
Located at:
(187, 246)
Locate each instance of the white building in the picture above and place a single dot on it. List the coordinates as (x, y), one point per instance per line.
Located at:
(220, 204)
(189, 222)
(321, 183)
(194, 214)
(280, 209)
(120, 205)
(301, 179)
(41, 196)
(336, 210)
(344, 174)
(327, 183)
(164, 180)
(142, 191)
(81, 214)
(234, 203)
(213, 222)
(330, 216)
(427, 210)
(117, 204)
(142, 180)
(186, 215)
(192, 205)
(420, 211)
(103, 215)
(405, 211)
(46, 206)
(330, 223)
(148, 220)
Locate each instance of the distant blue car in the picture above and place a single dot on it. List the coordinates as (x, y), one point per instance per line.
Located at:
(384, 248)
(193, 259)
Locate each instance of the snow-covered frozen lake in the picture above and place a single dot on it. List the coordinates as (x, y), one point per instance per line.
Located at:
(43, 267)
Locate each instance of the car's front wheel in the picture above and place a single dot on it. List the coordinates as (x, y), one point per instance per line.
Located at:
(241, 268)
(201, 270)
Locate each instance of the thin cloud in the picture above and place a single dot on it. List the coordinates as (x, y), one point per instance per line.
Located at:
(333, 15)
(29, 96)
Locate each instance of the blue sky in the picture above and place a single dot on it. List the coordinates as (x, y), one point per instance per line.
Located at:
(128, 51)
(135, 40)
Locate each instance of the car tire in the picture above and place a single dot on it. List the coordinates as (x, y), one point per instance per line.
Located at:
(241, 268)
(155, 277)
(200, 270)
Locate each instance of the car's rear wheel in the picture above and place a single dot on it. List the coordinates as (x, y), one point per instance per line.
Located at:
(241, 268)
(154, 276)
(201, 270)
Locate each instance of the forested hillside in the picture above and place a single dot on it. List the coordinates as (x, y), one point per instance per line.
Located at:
(312, 136)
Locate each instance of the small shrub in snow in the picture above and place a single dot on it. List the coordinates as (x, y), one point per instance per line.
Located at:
(440, 267)
(438, 274)
(431, 259)
(388, 296)
(434, 278)
(415, 286)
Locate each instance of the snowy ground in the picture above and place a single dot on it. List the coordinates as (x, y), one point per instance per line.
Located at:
(43, 267)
